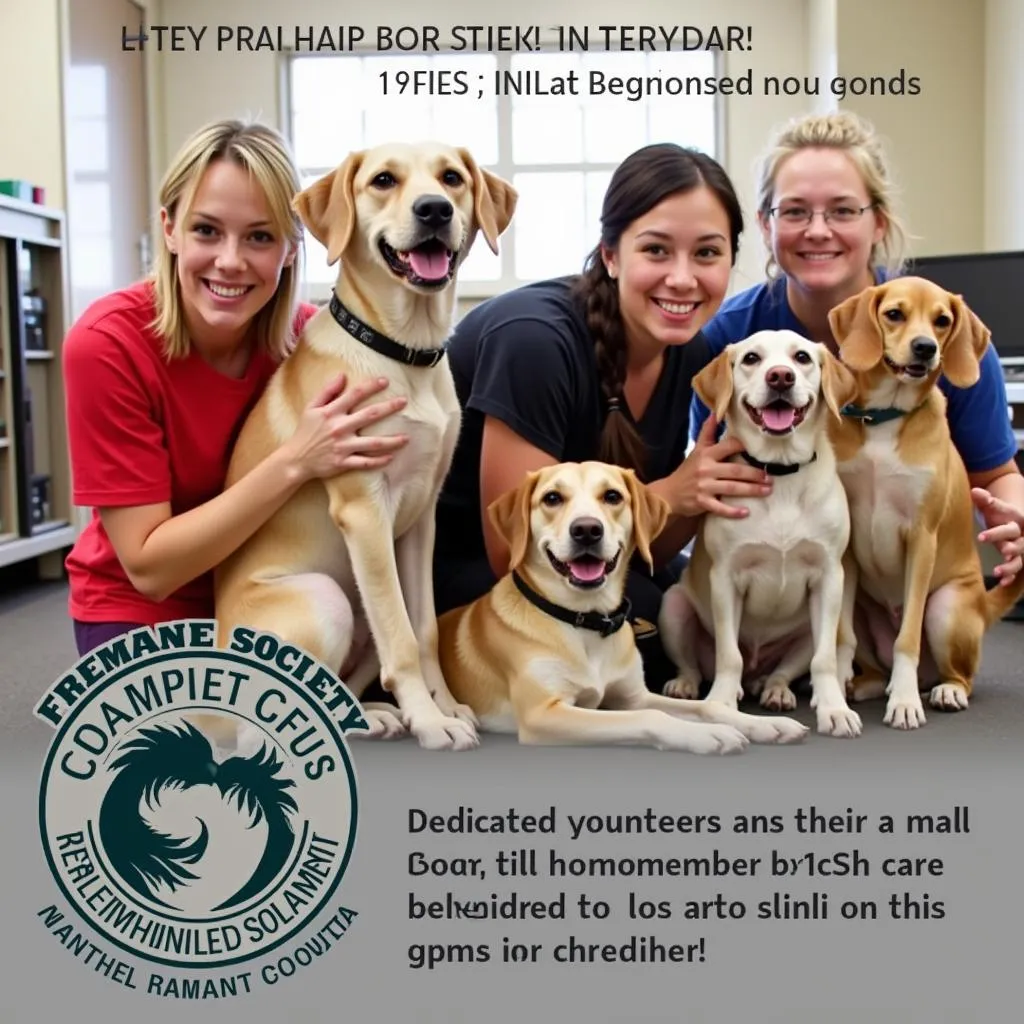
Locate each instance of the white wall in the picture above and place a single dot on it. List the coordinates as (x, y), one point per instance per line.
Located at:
(936, 141)
(1004, 137)
(30, 83)
(823, 49)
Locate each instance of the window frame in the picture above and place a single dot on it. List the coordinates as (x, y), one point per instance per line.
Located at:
(319, 292)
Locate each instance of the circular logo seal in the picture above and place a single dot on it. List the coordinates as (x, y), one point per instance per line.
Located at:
(198, 804)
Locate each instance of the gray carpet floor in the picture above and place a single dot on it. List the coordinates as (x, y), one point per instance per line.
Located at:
(37, 646)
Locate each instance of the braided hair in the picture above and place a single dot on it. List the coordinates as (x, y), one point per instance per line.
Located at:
(641, 182)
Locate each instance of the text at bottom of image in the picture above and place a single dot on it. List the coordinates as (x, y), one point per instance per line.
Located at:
(646, 904)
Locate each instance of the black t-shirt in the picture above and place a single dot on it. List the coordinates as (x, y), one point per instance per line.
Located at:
(526, 358)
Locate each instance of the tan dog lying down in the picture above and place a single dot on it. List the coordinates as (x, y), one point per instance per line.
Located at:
(571, 529)
(917, 567)
(760, 601)
(350, 558)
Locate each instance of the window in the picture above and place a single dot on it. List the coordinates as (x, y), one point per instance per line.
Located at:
(558, 151)
(90, 201)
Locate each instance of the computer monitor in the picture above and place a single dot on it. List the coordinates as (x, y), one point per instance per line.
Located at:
(992, 284)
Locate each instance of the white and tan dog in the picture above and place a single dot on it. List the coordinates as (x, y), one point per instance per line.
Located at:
(349, 558)
(921, 605)
(760, 601)
(549, 654)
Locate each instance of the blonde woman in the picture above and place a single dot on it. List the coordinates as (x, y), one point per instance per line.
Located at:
(159, 377)
(825, 208)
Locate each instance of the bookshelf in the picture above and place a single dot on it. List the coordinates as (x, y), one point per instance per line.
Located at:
(37, 518)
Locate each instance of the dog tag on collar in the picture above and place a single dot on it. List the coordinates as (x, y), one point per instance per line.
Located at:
(437, 355)
(872, 416)
(613, 623)
(603, 625)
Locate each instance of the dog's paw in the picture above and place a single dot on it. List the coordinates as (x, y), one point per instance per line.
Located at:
(863, 688)
(451, 708)
(444, 733)
(770, 729)
(685, 687)
(465, 713)
(838, 720)
(904, 714)
(713, 739)
(777, 696)
(384, 723)
(948, 697)
(755, 687)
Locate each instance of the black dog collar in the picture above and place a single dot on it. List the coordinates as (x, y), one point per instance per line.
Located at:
(872, 417)
(603, 624)
(384, 346)
(777, 468)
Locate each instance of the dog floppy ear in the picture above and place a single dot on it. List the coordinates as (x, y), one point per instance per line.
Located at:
(650, 513)
(510, 516)
(328, 207)
(838, 384)
(714, 384)
(494, 201)
(855, 327)
(965, 345)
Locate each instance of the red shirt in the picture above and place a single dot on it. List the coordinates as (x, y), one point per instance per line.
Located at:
(143, 431)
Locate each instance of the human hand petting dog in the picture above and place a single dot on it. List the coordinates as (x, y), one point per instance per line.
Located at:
(1004, 527)
(327, 440)
(705, 477)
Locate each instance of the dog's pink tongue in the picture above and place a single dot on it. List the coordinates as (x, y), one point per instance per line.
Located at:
(778, 417)
(587, 569)
(431, 264)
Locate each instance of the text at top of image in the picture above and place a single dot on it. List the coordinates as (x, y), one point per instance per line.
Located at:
(435, 38)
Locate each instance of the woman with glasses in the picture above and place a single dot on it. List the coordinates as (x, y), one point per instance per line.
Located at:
(825, 208)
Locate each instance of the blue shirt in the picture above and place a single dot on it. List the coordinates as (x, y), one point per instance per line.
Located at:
(979, 419)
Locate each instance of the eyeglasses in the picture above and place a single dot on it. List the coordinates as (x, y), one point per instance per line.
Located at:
(797, 216)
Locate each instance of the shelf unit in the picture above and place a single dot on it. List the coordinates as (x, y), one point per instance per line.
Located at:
(37, 518)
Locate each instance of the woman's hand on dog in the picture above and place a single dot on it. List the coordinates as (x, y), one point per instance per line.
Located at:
(327, 440)
(705, 477)
(1005, 529)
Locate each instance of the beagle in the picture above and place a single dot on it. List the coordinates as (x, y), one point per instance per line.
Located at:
(343, 570)
(549, 654)
(919, 606)
(760, 600)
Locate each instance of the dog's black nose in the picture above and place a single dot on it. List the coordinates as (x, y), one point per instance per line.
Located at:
(923, 348)
(780, 378)
(586, 530)
(434, 211)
